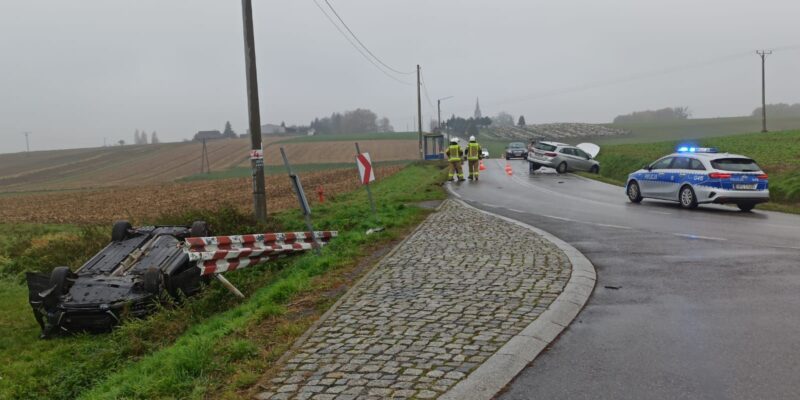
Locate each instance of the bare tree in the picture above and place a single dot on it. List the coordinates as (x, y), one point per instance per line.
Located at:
(154, 138)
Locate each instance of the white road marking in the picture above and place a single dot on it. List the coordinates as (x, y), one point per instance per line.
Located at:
(610, 226)
(690, 236)
(561, 218)
(454, 193)
(516, 211)
(587, 222)
(661, 212)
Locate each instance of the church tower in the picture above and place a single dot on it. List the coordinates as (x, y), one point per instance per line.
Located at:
(477, 109)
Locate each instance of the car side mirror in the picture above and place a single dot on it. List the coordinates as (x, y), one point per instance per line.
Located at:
(648, 167)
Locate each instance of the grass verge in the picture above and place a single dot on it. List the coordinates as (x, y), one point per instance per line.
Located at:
(213, 345)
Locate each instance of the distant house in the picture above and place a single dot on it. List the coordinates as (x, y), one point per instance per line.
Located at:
(208, 135)
(272, 129)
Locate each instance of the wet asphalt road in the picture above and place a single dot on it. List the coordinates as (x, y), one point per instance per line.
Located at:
(689, 304)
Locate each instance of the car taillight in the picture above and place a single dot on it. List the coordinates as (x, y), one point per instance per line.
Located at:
(719, 175)
(550, 154)
(763, 176)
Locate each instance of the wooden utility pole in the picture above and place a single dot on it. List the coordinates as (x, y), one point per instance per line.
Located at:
(763, 54)
(27, 142)
(419, 112)
(205, 164)
(253, 108)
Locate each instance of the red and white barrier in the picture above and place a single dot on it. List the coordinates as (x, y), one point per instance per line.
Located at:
(218, 254)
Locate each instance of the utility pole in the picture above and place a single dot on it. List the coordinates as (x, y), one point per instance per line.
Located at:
(256, 154)
(27, 142)
(419, 112)
(763, 54)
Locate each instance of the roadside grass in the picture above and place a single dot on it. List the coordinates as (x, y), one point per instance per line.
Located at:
(776, 153)
(351, 137)
(213, 345)
(242, 172)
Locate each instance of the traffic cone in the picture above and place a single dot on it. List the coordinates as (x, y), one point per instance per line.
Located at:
(482, 167)
(508, 169)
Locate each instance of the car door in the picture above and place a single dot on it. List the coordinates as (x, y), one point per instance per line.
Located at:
(650, 183)
(582, 159)
(568, 154)
(677, 173)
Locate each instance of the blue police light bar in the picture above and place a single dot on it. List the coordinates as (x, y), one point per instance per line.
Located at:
(687, 149)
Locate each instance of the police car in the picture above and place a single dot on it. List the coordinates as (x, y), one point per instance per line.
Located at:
(693, 176)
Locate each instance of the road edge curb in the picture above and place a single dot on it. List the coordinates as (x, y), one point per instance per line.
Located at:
(494, 374)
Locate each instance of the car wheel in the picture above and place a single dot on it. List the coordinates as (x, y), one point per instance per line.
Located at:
(152, 281)
(60, 279)
(687, 197)
(746, 207)
(199, 229)
(119, 231)
(595, 169)
(634, 194)
(562, 168)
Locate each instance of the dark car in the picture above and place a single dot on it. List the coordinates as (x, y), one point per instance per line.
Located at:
(121, 280)
(516, 150)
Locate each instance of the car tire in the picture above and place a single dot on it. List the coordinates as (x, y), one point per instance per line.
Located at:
(562, 168)
(199, 229)
(746, 207)
(152, 281)
(119, 231)
(594, 170)
(687, 198)
(634, 192)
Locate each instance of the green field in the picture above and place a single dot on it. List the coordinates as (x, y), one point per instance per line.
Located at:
(695, 129)
(778, 154)
(353, 137)
(213, 345)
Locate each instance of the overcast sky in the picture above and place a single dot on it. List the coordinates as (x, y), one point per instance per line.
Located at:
(74, 73)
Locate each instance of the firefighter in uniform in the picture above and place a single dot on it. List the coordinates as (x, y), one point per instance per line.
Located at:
(474, 154)
(454, 156)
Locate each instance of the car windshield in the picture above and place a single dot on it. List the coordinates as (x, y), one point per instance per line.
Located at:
(735, 165)
(545, 147)
(516, 145)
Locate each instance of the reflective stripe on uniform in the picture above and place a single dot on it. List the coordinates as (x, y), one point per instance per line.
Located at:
(473, 152)
(454, 152)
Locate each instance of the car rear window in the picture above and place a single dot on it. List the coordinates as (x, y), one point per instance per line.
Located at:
(735, 165)
(545, 147)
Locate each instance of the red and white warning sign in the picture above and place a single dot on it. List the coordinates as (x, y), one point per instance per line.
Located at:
(365, 168)
(257, 154)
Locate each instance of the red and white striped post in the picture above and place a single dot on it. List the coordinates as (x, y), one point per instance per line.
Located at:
(366, 174)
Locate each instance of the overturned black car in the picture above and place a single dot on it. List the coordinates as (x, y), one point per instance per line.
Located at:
(122, 280)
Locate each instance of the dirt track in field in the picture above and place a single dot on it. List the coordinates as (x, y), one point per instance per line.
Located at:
(143, 203)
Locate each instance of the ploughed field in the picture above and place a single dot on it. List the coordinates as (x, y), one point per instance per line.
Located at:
(145, 202)
(79, 169)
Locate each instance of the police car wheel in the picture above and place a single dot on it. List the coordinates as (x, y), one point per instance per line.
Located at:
(688, 198)
(634, 194)
(562, 168)
(746, 207)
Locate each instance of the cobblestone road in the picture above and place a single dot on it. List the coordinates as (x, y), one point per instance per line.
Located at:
(429, 314)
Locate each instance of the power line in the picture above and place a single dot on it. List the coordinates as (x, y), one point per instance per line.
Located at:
(425, 91)
(355, 46)
(362, 44)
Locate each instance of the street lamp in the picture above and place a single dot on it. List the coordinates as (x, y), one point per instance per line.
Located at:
(439, 113)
